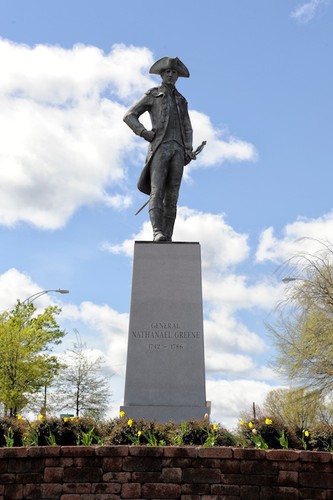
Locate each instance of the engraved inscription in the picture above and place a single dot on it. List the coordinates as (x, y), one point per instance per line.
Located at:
(163, 331)
(161, 347)
(164, 326)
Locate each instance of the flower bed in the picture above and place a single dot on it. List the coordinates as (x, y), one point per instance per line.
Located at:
(263, 433)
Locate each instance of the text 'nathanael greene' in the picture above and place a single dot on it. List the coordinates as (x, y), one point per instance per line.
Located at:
(164, 331)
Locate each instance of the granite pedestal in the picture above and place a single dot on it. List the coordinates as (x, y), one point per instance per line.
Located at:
(165, 372)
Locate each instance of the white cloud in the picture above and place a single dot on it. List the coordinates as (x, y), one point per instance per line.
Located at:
(63, 142)
(232, 398)
(221, 146)
(224, 334)
(228, 363)
(221, 245)
(105, 322)
(236, 292)
(300, 236)
(57, 76)
(307, 11)
(15, 285)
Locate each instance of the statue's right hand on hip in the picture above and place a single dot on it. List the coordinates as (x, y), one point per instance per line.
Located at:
(148, 135)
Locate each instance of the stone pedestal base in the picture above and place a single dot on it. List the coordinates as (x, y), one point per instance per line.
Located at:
(165, 374)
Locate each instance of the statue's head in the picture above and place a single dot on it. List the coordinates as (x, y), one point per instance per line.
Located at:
(169, 63)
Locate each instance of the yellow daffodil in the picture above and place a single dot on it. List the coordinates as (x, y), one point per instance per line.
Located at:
(250, 424)
(215, 427)
(268, 421)
(130, 422)
(121, 413)
(20, 417)
(40, 417)
(139, 433)
(66, 419)
(306, 433)
(241, 422)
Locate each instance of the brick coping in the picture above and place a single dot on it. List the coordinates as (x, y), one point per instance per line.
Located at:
(168, 451)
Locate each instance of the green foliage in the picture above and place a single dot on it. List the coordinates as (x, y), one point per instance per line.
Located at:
(26, 364)
(152, 439)
(9, 438)
(11, 432)
(305, 439)
(266, 433)
(259, 441)
(51, 439)
(283, 440)
(303, 330)
(63, 432)
(178, 438)
(127, 431)
(321, 438)
(202, 433)
(263, 433)
(31, 436)
(89, 438)
(297, 408)
(211, 435)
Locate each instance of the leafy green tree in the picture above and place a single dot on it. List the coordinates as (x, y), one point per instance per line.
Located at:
(81, 386)
(26, 362)
(296, 408)
(303, 331)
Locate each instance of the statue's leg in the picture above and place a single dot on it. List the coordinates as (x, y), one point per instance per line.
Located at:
(168, 225)
(158, 174)
(156, 219)
(174, 178)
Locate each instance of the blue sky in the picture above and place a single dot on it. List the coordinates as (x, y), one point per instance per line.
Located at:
(260, 93)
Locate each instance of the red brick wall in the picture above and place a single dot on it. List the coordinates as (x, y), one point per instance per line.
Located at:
(186, 473)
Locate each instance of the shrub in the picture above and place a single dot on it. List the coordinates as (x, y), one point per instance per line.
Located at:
(321, 438)
(202, 433)
(199, 433)
(12, 427)
(266, 433)
(127, 431)
(61, 431)
(261, 433)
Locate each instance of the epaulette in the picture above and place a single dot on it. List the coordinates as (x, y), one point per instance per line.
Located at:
(151, 91)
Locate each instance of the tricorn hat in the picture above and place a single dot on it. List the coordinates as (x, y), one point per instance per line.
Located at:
(169, 63)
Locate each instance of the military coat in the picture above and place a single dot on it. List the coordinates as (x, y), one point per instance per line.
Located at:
(156, 102)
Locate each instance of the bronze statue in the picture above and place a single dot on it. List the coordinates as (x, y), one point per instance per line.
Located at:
(170, 145)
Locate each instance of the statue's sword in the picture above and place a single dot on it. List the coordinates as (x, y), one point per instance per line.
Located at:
(196, 152)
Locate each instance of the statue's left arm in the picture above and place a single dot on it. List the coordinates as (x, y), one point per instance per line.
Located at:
(187, 134)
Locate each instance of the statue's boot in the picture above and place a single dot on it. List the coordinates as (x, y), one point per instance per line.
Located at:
(156, 219)
(168, 225)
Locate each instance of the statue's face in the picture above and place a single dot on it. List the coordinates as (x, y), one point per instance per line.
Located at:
(169, 76)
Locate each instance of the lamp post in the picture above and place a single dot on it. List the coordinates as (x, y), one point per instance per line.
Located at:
(289, 279)
(30, 299)
(43, 292)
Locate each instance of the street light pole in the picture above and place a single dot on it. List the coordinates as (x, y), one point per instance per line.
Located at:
(43, 292)
(30, 299)
(289, 279)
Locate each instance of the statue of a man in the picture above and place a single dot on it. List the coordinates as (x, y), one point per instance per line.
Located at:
(170, 145)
